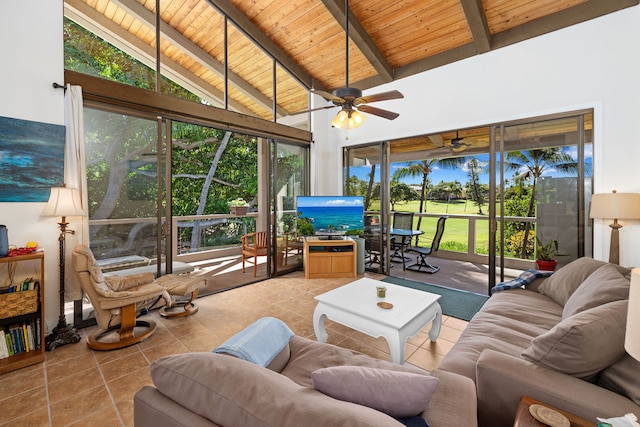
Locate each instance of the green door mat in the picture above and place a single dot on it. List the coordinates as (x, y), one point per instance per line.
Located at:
(460, 304)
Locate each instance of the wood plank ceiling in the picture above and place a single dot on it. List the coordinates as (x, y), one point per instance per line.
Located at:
(389, 40)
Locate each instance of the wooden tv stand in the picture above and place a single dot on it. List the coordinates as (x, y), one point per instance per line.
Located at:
(329, 258)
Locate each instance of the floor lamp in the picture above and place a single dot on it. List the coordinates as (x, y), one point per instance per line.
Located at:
(615, 206)
(63, 202)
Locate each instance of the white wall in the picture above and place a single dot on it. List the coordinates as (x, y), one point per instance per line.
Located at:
(595, 64)
(32, 59)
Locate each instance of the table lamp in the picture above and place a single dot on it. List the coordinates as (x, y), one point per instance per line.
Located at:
(63, 202)
(615, 206)
(632, 336)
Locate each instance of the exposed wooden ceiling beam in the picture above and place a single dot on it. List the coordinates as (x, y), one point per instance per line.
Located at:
(361, 38)
(102, 90)
(478, 25)
(565, 18)
(88, 17)
(263, 41)
(144, 15)
(456, 54)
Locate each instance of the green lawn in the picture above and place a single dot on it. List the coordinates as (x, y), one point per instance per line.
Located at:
(456, 230)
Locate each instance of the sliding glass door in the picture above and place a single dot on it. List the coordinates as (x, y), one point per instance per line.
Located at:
(504, 188)
(366, 174)
(288, 180)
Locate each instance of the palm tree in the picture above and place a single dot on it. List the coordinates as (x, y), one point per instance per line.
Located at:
(424, 168)
(532, 164)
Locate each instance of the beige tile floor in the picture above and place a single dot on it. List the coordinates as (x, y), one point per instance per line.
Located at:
(76, 386)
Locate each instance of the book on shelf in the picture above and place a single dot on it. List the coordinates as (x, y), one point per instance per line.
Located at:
(27, 284)
(7, 338)
(20, 338)
(4, 351)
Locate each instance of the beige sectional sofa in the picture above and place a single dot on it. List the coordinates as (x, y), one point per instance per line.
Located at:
(560, 341)
(206, 389)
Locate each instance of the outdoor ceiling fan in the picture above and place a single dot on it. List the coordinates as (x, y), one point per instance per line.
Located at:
(457, 144)
(350, 99)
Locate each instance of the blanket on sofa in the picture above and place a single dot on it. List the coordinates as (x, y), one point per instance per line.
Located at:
(258, 343)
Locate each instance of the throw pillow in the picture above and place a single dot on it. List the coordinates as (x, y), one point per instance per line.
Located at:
(563, 283)
(604, 285)
(399, 394)
(622, 378)
(232, 392)
(583, 344)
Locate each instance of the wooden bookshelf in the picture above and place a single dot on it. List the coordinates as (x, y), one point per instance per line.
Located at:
(36, 355)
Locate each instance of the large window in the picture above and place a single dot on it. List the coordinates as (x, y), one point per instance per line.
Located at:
(209, 60)
(530, 178)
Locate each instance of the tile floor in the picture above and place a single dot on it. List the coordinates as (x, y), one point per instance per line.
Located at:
(76, 386)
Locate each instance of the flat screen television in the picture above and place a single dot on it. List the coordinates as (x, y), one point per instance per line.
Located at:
(332, 215)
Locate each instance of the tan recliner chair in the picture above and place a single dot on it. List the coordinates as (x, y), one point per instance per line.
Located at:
(116, 301)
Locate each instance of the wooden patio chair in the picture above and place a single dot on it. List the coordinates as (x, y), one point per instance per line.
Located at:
(254, 245)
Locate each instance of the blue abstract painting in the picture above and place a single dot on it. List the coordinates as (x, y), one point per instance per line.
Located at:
(31, 159)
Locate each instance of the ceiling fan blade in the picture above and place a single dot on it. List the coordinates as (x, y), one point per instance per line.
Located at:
(383, 96)
(378, 112)
(328, 96)
(313, 109)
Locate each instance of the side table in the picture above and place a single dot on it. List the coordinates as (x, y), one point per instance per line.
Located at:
(525, 419)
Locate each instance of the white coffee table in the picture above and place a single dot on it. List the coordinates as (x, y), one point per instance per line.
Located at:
(356, 305)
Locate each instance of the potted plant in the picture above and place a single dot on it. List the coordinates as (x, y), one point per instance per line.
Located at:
(238, 206)
(545, 254)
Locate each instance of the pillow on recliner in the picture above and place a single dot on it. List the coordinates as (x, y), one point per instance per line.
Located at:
(399, 394)
(584, 344)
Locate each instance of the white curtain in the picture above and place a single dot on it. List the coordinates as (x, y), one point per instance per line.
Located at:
(75, 175)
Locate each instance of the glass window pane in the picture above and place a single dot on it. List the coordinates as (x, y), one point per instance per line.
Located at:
(292, 97)
(290, 182)
(121, 156)
(210, 168)
(250, 76)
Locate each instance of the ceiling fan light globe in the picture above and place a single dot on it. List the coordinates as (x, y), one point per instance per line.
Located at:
(356, 119)
(340, 119)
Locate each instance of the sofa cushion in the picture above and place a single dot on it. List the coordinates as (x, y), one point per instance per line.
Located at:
(235, 393)
(507, 323)
(399, 394)
(563, 283)
(308, 355)
(604, 285)
(583, 344)
(622, 378)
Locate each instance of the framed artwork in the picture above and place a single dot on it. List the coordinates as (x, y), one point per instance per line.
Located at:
(31, 159)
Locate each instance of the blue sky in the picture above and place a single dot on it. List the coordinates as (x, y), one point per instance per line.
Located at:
(459, 174)
(330, 201)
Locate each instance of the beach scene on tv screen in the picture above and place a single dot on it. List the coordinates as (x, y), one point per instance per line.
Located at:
(332, 215)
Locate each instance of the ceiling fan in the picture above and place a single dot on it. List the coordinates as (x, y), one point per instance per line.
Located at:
(457, 144)
(350, 99)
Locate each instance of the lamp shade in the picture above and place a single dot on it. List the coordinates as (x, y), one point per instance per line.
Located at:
(615, 205)
(63, 201)
(632, 337)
